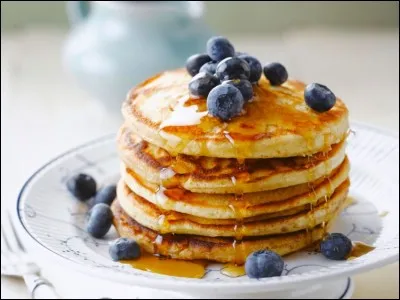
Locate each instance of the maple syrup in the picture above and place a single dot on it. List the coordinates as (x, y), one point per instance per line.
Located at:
(237, 206)
(233, 270)
(168, 266)
(183, 115)
(359, 249)
(383, 214)
(310, 178)
(350, 201)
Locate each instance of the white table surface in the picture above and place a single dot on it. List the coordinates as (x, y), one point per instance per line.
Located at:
(44, 113)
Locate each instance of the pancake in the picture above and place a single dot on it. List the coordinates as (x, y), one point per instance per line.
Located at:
(229, 206)
(275, 123)
(223, 175)
(225, 250)
(162, 221)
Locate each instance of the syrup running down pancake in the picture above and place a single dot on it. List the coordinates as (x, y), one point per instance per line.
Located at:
(195, 187)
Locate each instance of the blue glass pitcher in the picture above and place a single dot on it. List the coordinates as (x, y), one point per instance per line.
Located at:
(114, 45)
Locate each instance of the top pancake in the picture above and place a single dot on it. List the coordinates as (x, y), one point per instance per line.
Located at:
(275, 123)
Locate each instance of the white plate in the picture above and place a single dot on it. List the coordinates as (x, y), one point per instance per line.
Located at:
(54, 220)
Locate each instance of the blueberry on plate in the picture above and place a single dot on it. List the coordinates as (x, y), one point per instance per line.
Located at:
(106, 195)
(209, 67)
(264, 263)
(255, 67)
(100, 219)
(82, 186)
(336, 246)
(219, 48)
(276, 73)
(225, 102)
(124, 248)
(244, 87)
(202, 83)
(233, 68)
(319, 97)
(194, 63)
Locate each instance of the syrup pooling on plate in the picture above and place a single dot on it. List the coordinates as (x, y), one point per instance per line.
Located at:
(233, 270)
(359, 249)
(167, 266)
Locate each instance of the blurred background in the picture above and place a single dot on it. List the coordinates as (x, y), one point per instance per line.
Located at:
(235, 17)
(66, 66)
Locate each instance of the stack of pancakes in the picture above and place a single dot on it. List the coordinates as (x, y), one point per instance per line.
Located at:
(194, 187)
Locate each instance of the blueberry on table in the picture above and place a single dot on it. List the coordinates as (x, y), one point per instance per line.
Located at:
(202, 83)
(100, 220)
(219, 48)
(255, 67)
(243, 85)
(225, 102)
(209, 67)
(124, 248)
(276, 73)
(106, 195)
(264, 263)
(233, 68)
(82, 186)
(319, 97)
(336, 246)
(194, 63)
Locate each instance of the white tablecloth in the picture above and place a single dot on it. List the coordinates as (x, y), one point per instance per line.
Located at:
(44, 113)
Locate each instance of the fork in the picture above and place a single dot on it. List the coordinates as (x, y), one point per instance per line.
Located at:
(16, 262)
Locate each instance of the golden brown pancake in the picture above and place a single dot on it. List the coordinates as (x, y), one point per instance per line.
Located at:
(229, 206)
(223, 175)
(275, 123)
(190, 247)
(193, 187)
(290, 220)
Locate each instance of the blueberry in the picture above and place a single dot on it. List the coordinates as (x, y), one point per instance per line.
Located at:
(100, 219)
(275, 73)
(225, 102)
(263, 263)
(194, 63)
(336, 246)
(255, 67)
(219, 48)
(124, 248)
(202, 84)
(319, 97)
(209, 67)
(106, 195)
(82, 186)
(244, 87)
(233, 68)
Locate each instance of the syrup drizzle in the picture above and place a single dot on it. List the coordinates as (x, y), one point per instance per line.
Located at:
(359, 249)
(350, 201)
(237, 205)
(232, 270)
(182, 115)
(383, 213)
(168, 266)
(310, 215)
